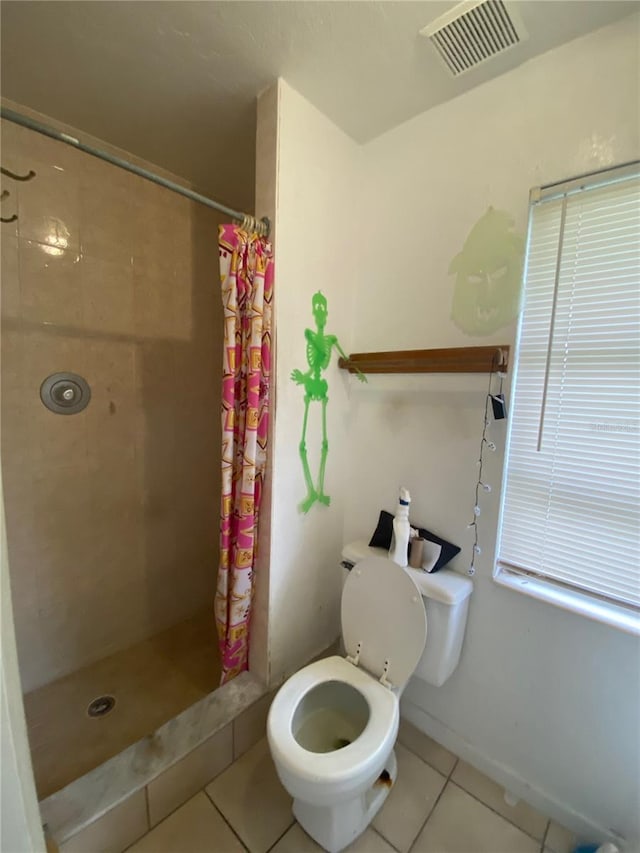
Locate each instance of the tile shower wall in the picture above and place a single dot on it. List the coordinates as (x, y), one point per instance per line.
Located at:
(111, 513)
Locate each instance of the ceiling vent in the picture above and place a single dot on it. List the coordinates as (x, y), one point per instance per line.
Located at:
(473, 32)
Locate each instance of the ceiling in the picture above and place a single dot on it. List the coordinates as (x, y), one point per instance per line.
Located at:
(175, 82)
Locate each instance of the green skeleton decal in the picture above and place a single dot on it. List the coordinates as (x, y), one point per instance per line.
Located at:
(488, 274)
(319, 349)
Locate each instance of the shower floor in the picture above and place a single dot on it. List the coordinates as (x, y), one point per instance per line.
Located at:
(151, 682)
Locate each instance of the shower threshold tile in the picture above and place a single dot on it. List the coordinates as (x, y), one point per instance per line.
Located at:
(151, 682)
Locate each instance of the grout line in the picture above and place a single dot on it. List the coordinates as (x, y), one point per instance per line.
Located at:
(129, 846)
(144, 834)
(544, 836)
(491, 809)
(168, 814)
(380, 835)
(429, 813)
(428, 763)
(233, 740)
(205, 792)
(146, 800)
(184, 802)
(280, 837)
(475, 797)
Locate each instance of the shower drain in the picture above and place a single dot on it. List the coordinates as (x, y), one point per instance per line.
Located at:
(101, 706)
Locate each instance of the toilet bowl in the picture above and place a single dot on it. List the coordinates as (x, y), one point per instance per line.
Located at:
(341, 715)
(332, 726)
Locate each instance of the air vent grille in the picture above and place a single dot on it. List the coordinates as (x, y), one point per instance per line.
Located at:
(472, 33)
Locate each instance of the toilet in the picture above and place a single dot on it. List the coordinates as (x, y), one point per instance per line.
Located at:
(332, 726)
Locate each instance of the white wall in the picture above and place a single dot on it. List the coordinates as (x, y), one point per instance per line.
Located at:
(267, 117)
(20, 830)
(545, 701)
(317, 181)
(541, 698)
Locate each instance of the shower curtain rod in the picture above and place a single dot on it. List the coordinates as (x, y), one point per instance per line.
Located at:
(261, 226)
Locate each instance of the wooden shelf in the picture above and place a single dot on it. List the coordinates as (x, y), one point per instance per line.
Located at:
(450, 360)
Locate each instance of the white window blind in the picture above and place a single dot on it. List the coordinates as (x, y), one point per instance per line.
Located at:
(571, 494)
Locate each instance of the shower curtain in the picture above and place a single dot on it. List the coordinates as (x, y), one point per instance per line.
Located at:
(246, 273)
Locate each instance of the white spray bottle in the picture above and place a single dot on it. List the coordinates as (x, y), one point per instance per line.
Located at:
(401, 530)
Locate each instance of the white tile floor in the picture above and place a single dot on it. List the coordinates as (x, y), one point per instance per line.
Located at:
(438, 805)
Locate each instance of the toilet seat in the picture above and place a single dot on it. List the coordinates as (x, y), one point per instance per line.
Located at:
(384, 622)
(342, 764)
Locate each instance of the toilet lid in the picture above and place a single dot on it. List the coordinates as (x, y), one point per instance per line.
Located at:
(382, 609)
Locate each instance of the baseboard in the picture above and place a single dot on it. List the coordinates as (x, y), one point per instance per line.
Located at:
(581, 825)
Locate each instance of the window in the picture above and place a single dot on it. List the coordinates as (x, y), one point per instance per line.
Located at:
(570, 517)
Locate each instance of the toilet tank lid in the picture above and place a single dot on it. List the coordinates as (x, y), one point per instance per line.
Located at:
(446, 586)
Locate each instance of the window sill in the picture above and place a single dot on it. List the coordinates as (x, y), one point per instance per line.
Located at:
(573, 600)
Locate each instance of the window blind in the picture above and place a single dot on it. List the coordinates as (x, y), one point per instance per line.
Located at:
(571, 509)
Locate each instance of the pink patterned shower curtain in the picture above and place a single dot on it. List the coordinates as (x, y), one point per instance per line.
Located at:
(246, 273)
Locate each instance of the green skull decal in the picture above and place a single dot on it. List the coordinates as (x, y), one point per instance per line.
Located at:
(488, 274)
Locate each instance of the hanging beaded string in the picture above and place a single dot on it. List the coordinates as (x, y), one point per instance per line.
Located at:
(481, 485)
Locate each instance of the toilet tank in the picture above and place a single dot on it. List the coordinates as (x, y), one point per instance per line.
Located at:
(446, 599)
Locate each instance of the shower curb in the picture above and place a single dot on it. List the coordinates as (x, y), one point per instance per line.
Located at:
(85, 800)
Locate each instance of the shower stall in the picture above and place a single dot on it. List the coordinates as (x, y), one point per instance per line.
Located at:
(111, 353)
